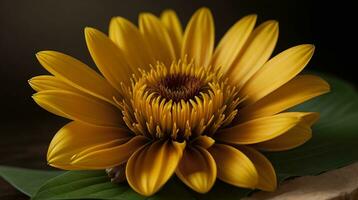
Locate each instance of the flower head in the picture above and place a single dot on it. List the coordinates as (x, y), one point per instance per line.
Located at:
(169, 103)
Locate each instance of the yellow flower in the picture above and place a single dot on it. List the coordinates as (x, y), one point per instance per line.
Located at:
(168, 102)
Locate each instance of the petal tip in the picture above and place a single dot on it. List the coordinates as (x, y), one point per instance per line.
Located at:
(312, 47)
(30, 81)
(50, 158)
(35, 96)
(311, 118)
(270, 188)
(273, 23)
(253, 15)
(204, 8)
(117, 20)
(204, 11)
(113, 20)
(328, 86)
(32, 84)
(168, 12)
(143, 14)
(145, 17)
(39, 55)
(90, 32)
(51, 164)
(45, 54)
(309, 48)
(89, 29)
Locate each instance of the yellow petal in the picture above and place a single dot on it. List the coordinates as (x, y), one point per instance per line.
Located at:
(174, 28)
(49, 107)
(102, 157)
(261, 129)
(233, 166)
(277, 72)
(309, 118)
(198, 41)
(131, 42)
(203, 141)
(296, 91)
(65, 159)
(77, 74)
(47, 82)
(265, 170)
(231, 44)
(293, 138)
(99, 148)
(256, 52)
(155, 33)
(149, 168)
(79, 108)
(108, 58)
(197, 169)
(76, 137)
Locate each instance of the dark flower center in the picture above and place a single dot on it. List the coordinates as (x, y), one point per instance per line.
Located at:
(177, 87)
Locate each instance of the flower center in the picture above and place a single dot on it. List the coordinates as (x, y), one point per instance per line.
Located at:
(180, 102)
(177, 87)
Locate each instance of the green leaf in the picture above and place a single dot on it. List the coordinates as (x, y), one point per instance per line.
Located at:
(96, 185)
(28, 181)
(335, 137)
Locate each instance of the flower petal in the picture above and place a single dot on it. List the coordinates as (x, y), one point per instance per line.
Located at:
(296, 91)
(265, 170)
(79, 108)
(47, 82)
(232, 43)
(155, 33)
(261, 129)
(77, 74)
(131, 42)
(277, 72)
(203, 141)
(309, 118)
(198, 41)
(293, 138)
(197, 169)
(76, 137)
(149, 168)
(233, 166)
(171, 22)
(108, 58)
(100, 157)
(255, 53)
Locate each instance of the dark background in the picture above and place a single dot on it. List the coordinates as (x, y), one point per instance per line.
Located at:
(29, 26)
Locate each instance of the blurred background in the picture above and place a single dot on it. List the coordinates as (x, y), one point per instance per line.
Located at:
(29, 26)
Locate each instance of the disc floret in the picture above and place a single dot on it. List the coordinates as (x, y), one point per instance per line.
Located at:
(180, 102)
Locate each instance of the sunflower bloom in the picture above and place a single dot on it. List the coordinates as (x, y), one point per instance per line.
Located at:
(168, 102)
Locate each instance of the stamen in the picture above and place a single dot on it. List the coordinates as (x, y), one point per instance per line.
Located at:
(180, 102)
